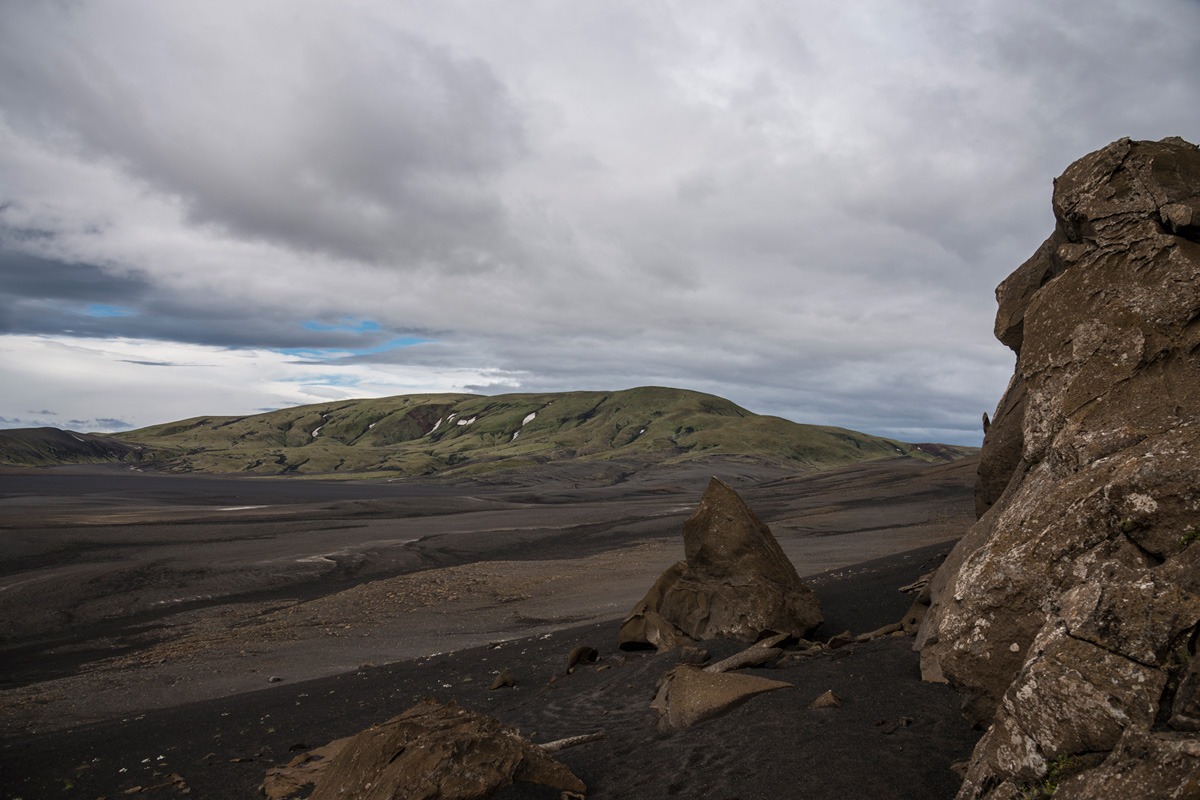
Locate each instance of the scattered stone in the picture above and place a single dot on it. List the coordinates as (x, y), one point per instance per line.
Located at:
(774, 641)
(572, 741)
(750, 657)
(886, 630)
(694, 656)
(274, 679)
(505, 678)
(435, 750)
(581, 655)
(891, 727)
(842, 639)
(918, 584)
(827, 700)
(688, 695)
(735, 582)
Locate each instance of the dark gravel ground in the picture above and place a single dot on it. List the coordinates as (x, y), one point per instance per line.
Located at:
(772, 746)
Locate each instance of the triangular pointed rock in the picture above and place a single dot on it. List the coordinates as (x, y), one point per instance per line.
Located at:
(735, 583)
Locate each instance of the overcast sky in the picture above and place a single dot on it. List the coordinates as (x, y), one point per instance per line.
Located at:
(223, 207)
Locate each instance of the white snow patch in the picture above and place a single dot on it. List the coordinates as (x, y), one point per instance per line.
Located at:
(239, 508)
(515, 435)
(436, 425)
(372, 425)
(465, 421)
(643, 430)
(451, 417)
(317, 431)
(528, 419)
(78, 438)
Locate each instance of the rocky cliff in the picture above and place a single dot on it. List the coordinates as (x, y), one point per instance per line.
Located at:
(1067, 617)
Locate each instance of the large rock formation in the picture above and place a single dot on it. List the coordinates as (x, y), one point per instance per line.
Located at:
(1065, 616)
(735, 583)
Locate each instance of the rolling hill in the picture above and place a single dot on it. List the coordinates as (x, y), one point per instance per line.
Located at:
(464, 434)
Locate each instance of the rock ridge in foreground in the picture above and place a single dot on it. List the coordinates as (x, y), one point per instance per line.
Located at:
(1067, 617)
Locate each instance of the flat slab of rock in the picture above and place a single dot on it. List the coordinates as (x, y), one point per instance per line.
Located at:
(735, 583)
(438, 751)
(689, 695)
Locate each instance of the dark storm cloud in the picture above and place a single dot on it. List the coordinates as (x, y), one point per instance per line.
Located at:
(352, 136)
(28, 276)
(46, 296)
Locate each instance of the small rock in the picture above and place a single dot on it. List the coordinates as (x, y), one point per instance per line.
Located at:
(581, 654)
(843, 638)
(274, 679)
(692, 655)
(827, 700)
(505, 678)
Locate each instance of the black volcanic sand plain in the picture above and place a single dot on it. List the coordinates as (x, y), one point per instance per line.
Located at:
(212, 627)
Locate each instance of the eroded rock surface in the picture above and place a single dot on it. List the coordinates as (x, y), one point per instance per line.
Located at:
(438, 751)
(735, 583)
(1065, 616)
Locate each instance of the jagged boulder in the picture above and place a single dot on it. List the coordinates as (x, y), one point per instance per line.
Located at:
(437, 751)
(1065, 615)
(735, 583)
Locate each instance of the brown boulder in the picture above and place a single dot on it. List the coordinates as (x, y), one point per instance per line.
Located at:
(1063, 616)
(437, 751)
(735, 583)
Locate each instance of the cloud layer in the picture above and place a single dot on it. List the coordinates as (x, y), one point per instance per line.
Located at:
(801, 207)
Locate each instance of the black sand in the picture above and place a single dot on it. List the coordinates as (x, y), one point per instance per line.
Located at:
(130, 692)
(894, 736)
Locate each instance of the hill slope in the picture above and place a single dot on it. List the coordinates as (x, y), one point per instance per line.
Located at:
(456, 434)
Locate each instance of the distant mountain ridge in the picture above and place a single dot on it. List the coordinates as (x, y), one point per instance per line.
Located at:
(465, 434)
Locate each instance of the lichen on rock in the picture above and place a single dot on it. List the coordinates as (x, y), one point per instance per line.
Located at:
(1064, 616)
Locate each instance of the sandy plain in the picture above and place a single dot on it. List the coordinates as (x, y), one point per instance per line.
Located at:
(125, 595)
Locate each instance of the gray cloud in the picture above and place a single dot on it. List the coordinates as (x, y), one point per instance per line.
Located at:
(372, 143)
(802, 208)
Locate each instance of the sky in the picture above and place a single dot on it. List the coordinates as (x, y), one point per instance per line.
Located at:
(226, 207)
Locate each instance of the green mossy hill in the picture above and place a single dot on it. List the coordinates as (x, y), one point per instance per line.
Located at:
(461, 434)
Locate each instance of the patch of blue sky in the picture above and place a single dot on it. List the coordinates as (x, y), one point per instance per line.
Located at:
(330, 353)
(102, 310)
(353, 324)
(324, 380)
